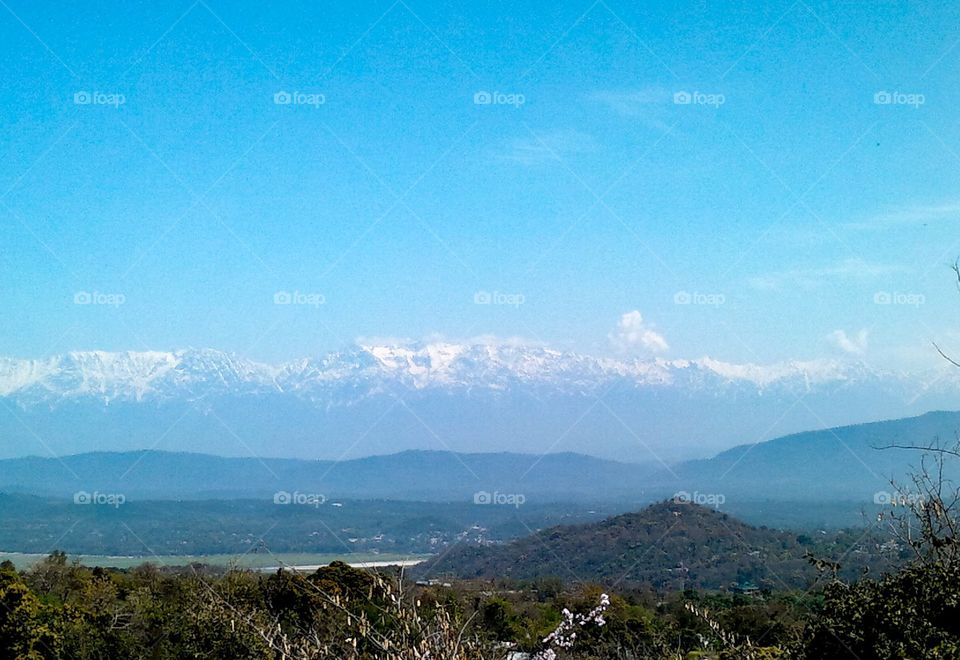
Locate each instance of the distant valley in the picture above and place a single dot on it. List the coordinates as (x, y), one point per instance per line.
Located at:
(827, 477)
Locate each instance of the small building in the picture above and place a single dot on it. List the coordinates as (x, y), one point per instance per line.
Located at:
(745, 588)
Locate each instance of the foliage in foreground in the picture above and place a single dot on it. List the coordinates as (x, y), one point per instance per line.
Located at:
(60, 609)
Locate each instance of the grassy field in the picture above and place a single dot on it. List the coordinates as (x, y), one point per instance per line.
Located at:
(252, 560)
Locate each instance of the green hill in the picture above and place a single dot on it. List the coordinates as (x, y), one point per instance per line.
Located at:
(667, 546)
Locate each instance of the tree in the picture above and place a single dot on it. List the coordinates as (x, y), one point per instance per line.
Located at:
(916, 611)
(27, 632)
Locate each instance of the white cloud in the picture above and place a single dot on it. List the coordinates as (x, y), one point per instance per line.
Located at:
(809, 278)
(920, 214)
(554, 146)
(632, 333)
(631, 103)
(650, 104)
(855, 345)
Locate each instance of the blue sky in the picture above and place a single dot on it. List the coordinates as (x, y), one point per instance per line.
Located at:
(803, 204)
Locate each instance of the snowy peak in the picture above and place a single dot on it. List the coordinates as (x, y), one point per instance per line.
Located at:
(812, 372)
(460, 396)
(127, 375)
(366, 369)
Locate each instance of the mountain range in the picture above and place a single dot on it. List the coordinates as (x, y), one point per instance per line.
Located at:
(828, 475)
(410, 475)
(380, 399)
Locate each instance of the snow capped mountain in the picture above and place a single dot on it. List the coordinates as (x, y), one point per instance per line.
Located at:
(371, 369)
(130, 376)
(378, 398)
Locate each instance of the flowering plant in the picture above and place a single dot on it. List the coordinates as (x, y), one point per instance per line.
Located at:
(565, 634)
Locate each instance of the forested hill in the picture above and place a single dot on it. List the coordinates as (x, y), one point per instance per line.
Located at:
(668, 545)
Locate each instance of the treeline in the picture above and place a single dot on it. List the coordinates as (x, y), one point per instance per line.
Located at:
(60, 609)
